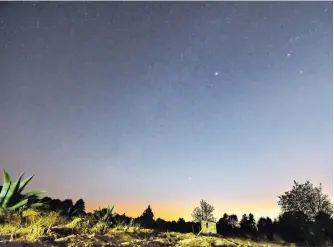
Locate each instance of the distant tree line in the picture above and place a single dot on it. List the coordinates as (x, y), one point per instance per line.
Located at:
(306, 217)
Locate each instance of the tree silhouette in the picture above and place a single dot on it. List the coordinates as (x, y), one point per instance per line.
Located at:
(204, 212)
(247, 224)
(251, 223)
(147, 218)
(307, 199)
(233, 220)
(223, 225)
(55, 205)
(181, 225)
(293, 226)
(161, 224)
(122, 219)
(262, 225)
(244, 223)
(325, 223)
(265, 227)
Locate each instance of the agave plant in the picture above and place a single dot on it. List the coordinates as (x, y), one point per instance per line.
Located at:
(104, 215)
(76, 210)
(11, 197)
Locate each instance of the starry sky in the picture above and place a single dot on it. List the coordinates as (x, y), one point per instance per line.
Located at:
(138, 103)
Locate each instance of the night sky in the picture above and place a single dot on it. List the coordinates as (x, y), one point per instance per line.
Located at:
(138, 103)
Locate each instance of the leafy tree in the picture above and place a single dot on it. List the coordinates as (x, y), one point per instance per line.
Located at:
(204, 212)
(307, 199)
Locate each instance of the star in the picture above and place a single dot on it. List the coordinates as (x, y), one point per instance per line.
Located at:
(216, 73)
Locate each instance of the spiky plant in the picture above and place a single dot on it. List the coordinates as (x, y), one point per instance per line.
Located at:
(11, 197)
(76, 210)
(104, 215)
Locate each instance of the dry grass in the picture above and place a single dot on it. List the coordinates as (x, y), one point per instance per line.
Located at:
(53, 230)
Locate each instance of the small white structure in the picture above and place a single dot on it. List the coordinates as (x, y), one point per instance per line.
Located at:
(208, 227)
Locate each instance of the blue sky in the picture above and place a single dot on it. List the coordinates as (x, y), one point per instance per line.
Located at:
(130, 104)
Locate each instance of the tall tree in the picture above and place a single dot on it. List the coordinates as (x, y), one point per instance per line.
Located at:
(306, 198)
(265, 227)
(244, 223)
(247, 224)
(251, 223)
(262, 225)
(204, 212)
(223, 225)
(147, 218)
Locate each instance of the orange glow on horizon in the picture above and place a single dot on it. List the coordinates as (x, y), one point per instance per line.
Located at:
(175, 211)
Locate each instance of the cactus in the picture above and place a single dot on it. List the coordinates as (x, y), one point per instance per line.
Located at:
(11, 197)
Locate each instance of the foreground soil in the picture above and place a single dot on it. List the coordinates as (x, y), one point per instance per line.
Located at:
(53, 230)
(139, 238)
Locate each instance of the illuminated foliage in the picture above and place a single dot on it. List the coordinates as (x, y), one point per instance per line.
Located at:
(11, 197)
(307, 199)
(204, 212)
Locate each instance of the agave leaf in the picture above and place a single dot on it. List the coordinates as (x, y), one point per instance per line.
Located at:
(12, 192)
(69, 210)
(33, 193)
(24, 183)
(37, 204)
(18, 205)
(5, 187)
(74, 212)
